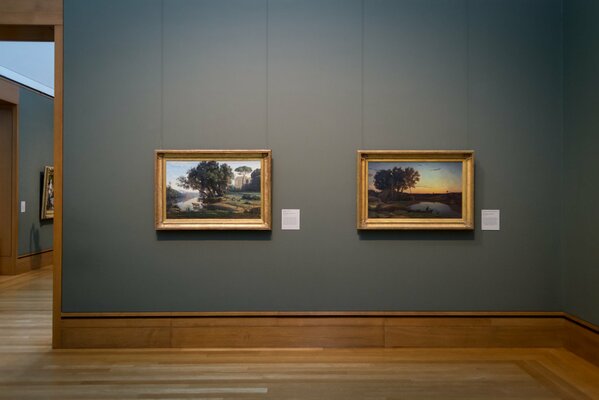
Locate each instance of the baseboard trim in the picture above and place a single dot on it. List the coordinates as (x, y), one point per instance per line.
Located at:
(227, 314)
(581, 338)
(7, 264)
(29, 262)
(581, 322)
(35, 253)
(331, 329)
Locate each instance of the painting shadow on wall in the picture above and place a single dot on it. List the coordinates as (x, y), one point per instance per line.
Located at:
(213, 235)
(416, 235)
(34, 240)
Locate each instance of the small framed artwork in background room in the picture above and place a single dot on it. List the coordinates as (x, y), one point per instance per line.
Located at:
(47, 204)
(414, 189)
(213, 189)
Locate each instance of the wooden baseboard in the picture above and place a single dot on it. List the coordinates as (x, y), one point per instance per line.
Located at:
(542, 331)
(7, 265)
(34, 261)
(425, 330)
(115, 333)
(582, 339)
(278, 332)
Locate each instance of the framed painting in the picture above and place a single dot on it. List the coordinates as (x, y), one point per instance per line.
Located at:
(47, 204)
(213, 189)
(413, 189)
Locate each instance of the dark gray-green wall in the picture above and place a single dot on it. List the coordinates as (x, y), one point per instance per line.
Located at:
(36, 150)
(580, 264)
(314, 81)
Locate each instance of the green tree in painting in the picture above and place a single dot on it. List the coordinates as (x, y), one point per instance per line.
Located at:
(209, 178)
(243, 170)
(172, 195)
(255, 182)
(393, 182)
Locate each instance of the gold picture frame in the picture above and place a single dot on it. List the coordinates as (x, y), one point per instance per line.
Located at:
(415, 189)
(47, 204)
(213, 190)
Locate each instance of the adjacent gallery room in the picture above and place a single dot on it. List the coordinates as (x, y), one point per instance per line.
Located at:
(299, 199)
(26, 137)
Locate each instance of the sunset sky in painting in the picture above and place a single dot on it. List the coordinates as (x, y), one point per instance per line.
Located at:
(435, 177)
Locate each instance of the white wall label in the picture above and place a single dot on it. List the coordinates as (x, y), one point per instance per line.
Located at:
(290, 219)
(490, 220)
(23, 206)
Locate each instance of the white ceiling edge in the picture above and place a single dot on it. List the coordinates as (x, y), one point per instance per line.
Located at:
(25, 81)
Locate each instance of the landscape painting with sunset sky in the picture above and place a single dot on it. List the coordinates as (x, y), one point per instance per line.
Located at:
(414, 189)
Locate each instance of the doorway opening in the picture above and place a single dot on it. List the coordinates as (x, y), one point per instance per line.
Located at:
(26, 155)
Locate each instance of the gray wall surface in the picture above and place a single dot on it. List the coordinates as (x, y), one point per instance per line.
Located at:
(580, 274)
(314, 81)
(36, 150)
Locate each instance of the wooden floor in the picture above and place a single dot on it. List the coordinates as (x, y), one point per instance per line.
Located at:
(29, 369)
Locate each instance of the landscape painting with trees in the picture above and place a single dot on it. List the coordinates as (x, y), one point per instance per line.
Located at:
(415, 189)
(213, 189)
